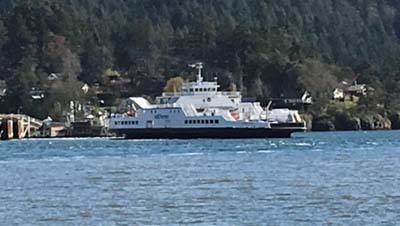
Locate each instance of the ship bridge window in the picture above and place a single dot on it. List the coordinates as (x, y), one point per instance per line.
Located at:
(196, 90)
(216, 121)
(191, 90)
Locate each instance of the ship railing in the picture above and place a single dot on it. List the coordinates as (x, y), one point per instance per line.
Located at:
(230, 93)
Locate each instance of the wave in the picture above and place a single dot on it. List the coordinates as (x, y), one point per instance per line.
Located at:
(304, 144)
(186, 154)
(265, 151)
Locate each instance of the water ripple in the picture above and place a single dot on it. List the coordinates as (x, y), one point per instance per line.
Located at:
(313, 179)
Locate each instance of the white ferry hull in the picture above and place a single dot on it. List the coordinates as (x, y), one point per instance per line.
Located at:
(209, 133)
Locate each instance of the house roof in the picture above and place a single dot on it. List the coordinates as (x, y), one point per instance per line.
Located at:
(355, 88)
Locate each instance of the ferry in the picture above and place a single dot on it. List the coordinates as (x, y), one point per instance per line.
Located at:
(200, 110)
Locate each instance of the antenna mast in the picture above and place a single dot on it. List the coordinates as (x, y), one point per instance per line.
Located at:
(199, 67)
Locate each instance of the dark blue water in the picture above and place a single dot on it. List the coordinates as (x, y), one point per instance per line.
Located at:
(313, 179)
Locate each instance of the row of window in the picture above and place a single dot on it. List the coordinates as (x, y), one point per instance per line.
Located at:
(170, 111)
(202, 121)
(126, 123)
(200, 90)
(186, 122)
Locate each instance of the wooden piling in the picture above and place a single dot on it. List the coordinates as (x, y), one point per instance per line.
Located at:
(10, 129)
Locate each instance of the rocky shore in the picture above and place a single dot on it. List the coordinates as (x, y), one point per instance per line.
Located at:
(344, 121)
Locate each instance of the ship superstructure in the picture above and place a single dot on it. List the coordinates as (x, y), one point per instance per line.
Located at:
(200, 110)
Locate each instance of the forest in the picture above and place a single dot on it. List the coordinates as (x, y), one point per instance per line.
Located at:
(267, 48)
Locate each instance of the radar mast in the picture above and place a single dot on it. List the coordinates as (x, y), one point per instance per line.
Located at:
(199, 67)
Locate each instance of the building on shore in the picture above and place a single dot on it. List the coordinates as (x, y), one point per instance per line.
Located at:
(352, 92)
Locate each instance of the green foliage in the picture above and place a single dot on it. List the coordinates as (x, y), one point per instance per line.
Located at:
(268, 48)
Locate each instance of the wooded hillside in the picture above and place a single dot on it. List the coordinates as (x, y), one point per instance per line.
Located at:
(268, 48)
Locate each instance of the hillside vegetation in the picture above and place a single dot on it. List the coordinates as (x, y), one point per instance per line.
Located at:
(268, 48)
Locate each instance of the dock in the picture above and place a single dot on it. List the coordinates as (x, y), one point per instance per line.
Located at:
(18, 126)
